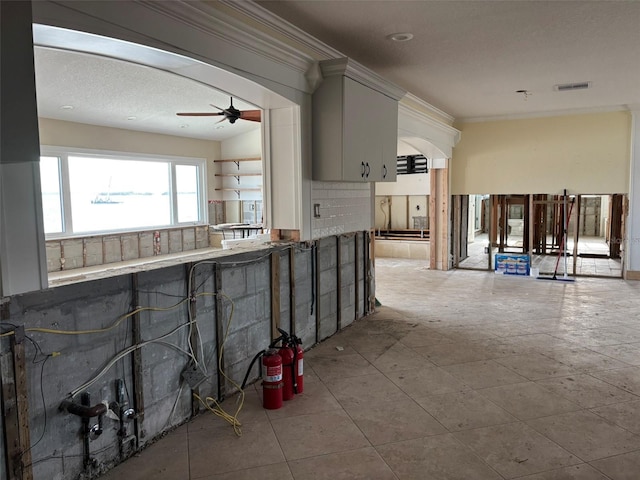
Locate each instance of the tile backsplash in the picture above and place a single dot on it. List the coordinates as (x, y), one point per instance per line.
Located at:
(343, 207)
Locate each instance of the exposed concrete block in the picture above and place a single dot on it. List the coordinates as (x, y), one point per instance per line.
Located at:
(237, 347)
(202, 237)
(347, 249)
(156, 418)
(306, 326)
(53, 256)
(93, 251)
(347, 316)
(302, 264)
(328, 315)
(347, 274)
(188, 239)
(244, 315)
(175, 241)
(147, 246)
(72, 254)
(328, 281)
(327, 253)
(129, 247)
(164, 242)
(258, 338)
(111, 252)
(348, 297)
(234, 282)
(259, 276)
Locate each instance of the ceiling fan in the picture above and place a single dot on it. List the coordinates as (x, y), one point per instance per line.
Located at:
(231, 113)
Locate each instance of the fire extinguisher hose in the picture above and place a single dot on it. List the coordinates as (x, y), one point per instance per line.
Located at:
(246, 375)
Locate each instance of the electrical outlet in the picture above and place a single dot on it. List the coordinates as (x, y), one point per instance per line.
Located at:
(316, 210)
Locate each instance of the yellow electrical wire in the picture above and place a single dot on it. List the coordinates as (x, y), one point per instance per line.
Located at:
(120, 319)
(209, 401)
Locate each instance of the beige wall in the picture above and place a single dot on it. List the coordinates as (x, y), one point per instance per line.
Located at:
(79, 135)
(586, 153)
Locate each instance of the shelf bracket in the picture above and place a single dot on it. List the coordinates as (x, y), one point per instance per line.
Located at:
(237, 164)
(237, 193)
(237, 177)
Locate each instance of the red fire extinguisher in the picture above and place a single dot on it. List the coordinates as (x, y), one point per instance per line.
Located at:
(292, 356)
(272, 380)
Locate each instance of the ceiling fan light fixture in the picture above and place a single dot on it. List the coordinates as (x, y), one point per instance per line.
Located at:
(400, 37)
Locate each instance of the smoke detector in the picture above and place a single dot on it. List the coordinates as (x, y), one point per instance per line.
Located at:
(564, 87)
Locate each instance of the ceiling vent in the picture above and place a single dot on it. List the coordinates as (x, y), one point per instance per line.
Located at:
(572, 86)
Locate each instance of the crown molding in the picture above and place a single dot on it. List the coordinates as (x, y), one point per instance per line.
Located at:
(546, 114)
(410, 97)
(430, 124)
(283, 27)
(352, 69)
(207, 19)
(334, 63)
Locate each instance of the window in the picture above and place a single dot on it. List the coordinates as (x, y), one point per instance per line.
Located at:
(408, 164)
(51, 194)
(89, 192)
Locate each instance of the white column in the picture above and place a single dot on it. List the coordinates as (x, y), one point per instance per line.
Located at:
(632, 237)
(22, 249)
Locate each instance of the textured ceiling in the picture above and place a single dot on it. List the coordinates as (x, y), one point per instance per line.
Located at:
(104, 91)
(469, 58)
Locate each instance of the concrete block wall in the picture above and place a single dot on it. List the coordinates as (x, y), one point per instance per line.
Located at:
(245, 281)
(72, 253)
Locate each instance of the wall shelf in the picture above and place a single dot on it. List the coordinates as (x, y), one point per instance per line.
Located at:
(238, 175)
(238, 160)
(240, 189)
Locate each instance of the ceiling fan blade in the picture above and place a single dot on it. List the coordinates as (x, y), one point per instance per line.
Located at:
(251, 115)
(220, 121)
(199, 114)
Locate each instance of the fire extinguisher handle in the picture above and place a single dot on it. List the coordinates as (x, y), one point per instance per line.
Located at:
(274, 344)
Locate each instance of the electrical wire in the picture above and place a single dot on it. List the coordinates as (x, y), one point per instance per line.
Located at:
(127, 351)
(37, 351)
(211, 403)
(120, 319)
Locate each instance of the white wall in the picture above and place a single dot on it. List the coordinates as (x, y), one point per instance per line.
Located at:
(414, 184)
(245, 145)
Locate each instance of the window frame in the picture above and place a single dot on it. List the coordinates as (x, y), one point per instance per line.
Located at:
(63, 154)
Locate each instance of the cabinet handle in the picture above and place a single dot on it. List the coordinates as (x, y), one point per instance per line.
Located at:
(384, 171)
(368, 169)
(362, 170)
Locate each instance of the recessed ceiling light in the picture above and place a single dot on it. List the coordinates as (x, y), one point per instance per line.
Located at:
(132, 118)
(184, 125)
(400, 36)
(66, 107)
(219, 127)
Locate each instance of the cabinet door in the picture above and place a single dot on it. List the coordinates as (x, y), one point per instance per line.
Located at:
(356, 121)
(389, 138)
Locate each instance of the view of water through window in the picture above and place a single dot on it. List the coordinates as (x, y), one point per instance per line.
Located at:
(110, 194)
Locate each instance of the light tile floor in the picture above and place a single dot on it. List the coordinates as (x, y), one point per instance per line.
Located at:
(546, 264)
(460, 375)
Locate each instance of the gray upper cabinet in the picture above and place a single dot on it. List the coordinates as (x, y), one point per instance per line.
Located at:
(355, 125)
